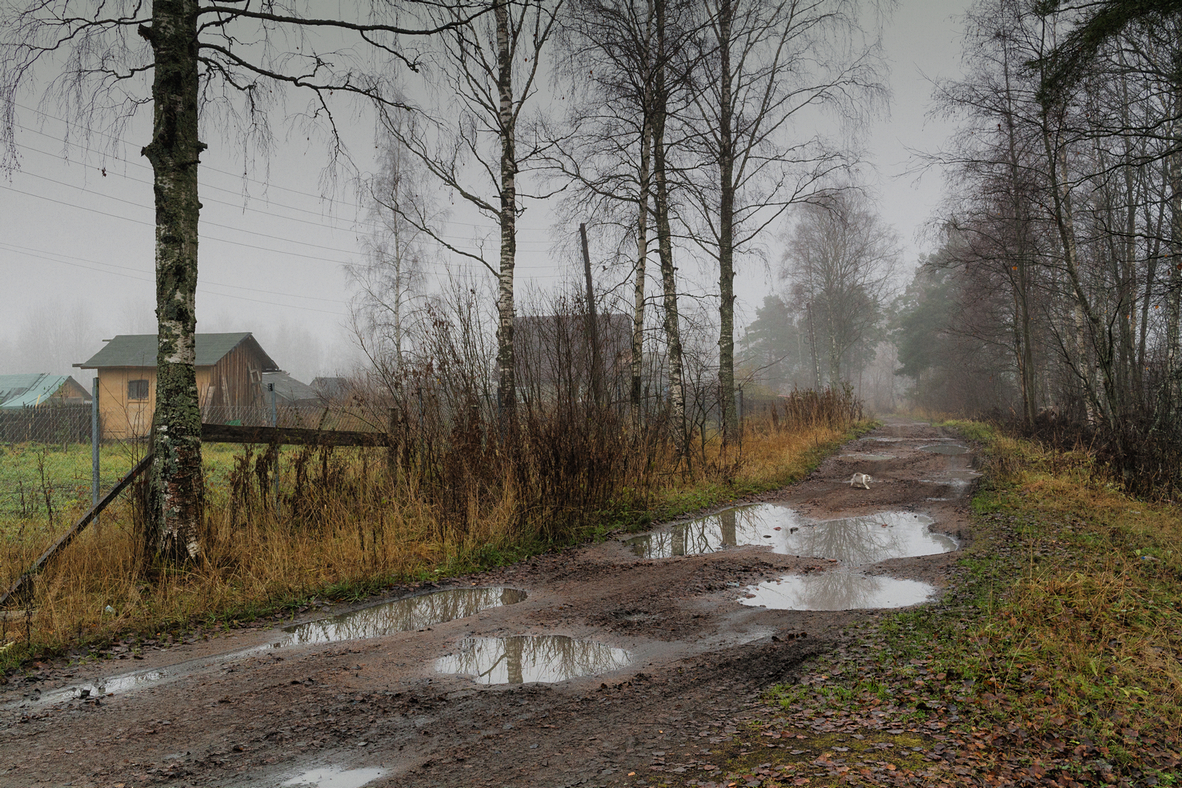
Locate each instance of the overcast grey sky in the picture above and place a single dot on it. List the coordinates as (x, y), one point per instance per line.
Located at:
(76, 229)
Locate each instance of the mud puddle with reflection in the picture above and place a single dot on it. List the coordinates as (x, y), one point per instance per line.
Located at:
(945, 448)
(854, 542)
(402, 615)
(335, 777)
(531, 658)
(839, 589)
(737, 526)
(851, 540)
(868, 456)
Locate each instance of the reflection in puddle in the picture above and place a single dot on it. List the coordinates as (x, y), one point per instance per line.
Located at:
(883, 439)
(867, 540)
(837, 590)
(852, 540)
(110, 686)
(868, 456)
(521, 659)
(403, 615)
(945, 448)
(335, 777)
(739, 525)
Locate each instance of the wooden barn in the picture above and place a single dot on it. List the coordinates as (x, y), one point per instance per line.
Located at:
(230, 369)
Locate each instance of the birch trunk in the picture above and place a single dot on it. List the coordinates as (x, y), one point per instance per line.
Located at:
(637, 365)
(177, 483)
(726, 227)
(665, 242)
(506, 383)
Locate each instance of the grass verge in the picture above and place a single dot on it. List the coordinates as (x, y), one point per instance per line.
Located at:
(1054, 658)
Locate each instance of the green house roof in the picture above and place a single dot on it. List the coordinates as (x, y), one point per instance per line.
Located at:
(139, 350)
(21, 391)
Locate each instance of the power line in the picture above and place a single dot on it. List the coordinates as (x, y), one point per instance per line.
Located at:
(243, 177)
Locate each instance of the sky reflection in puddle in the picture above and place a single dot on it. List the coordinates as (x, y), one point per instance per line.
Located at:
(837, 590)
(738, 526)
(945, 448)
(851, 540)
(335, 777)
(403, 615)
(527, 658)
(867, 456)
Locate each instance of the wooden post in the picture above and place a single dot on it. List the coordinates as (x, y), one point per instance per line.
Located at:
(593, 328)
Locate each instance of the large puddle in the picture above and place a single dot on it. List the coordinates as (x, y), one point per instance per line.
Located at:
(851, 540)
(335, 777)
(759, 524)
(402, 615)
(867, 456)
(839, 589)
(528, 658)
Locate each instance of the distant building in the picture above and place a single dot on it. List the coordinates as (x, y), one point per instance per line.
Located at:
(288, 390)
(39, 389)
(331, 388)
(230, 372)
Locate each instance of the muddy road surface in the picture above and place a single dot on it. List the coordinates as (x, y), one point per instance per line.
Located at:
(570, 669)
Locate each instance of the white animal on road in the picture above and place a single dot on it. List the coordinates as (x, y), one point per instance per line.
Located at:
(860, 480)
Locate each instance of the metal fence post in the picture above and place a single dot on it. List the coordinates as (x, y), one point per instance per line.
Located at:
(94, 443)
(275, 425)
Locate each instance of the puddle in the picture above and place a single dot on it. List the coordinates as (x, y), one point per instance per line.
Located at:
(837, 590)
(945, 448)
(759, 524)
(851, 540)
(335, 777)
(868, 456)
(888, 440)
(402, 615)
(528, 658)
(865, 540)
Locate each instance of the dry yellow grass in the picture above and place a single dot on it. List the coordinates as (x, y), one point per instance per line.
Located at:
(353, 537)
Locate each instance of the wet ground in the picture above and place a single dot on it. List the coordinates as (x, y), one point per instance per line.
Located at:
(582, 668)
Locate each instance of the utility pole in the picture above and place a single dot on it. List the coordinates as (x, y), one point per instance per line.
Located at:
(593, 327)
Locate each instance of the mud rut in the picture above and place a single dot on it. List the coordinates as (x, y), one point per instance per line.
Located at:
(698, 657)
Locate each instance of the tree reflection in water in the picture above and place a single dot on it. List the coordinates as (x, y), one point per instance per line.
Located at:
(403, 615)
(853, 540)
(738, 525)
(526, 658)
(867, 540)
(838, 589)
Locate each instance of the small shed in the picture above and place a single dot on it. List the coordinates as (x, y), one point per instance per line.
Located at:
(39, 389)
(230, 370)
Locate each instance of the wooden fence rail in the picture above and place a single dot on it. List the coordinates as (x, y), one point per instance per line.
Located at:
(212, 433)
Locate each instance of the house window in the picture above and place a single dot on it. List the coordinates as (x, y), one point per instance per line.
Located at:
(137, 389)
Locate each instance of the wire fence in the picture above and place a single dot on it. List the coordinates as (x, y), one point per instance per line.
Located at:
(64, 424)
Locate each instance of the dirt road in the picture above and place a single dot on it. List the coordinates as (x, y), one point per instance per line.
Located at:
(674, 649)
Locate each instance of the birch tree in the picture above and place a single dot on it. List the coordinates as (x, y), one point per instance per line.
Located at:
(469, 141)
(100, 62)
(767, 63)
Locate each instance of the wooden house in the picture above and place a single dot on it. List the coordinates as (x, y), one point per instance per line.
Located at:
(230, 369)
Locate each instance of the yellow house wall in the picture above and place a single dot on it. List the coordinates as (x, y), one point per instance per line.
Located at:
(126, 419)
